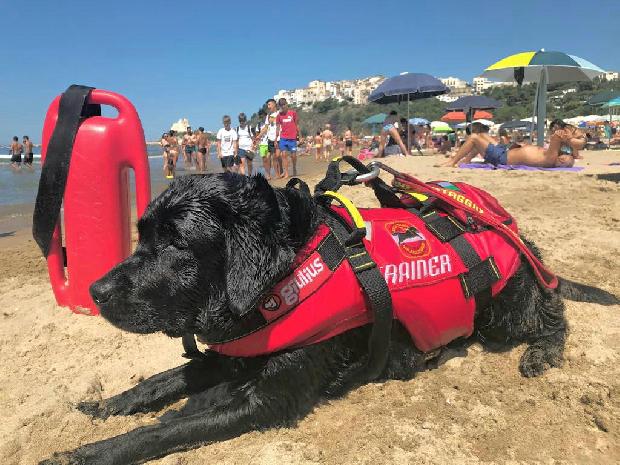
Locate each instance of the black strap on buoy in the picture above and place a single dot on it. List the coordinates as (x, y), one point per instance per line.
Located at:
(72, 110)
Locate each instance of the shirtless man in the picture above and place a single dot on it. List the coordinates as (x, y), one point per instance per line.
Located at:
(348, 141)
(530, 155)
(203, 142)
(28, 154)
(189, 148)
(16, 153)
(318, 146)
(328, 137)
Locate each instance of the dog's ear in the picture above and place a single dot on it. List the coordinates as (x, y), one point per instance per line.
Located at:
(252, 248)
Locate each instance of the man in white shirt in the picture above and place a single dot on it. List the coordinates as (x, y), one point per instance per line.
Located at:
(227, 146)
(245, 145)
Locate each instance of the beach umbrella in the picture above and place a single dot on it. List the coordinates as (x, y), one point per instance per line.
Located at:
(438, 124)
(379, 118)
(518, 124)
(612, 103)
(603, 97)
(485, 122)
(418, 121)
(544, 68)
(442, 129)
(455, 116)
(407, 87)
(471, 103)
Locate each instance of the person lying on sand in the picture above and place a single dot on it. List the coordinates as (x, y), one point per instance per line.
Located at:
(530, 155)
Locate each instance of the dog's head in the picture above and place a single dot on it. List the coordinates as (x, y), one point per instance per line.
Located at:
(208, 247)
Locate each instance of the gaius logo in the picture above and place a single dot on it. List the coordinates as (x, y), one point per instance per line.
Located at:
(272, 302)
(409, 240)
(303, 277)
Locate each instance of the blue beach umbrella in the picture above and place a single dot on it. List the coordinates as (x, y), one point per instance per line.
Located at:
(544, 68)
(407, 87)
(418, 121)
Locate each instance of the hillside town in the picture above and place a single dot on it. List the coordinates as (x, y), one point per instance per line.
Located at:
(357, 91)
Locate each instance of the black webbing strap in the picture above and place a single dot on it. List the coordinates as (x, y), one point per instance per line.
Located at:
(377, 293)
(72, 110)
(445, 228)
(481, 274)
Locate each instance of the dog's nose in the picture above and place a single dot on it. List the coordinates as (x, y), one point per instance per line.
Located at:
(101, 291)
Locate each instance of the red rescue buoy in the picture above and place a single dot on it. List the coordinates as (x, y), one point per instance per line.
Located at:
(97, 205)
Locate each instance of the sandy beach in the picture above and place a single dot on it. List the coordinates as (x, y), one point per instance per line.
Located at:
(473, 409)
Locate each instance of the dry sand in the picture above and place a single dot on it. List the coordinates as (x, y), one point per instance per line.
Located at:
(473, 409)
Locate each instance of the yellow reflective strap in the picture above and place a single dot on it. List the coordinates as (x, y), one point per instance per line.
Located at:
(336, 158)
(353, 212)
(417, 195)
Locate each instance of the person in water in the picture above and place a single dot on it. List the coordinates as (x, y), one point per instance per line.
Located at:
(496, 153)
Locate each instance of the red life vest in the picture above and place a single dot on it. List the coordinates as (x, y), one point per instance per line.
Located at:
(426, 261)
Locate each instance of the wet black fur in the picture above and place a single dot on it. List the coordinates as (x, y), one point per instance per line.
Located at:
(209, 246)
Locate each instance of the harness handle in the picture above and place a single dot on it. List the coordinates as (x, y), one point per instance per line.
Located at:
(334, 179)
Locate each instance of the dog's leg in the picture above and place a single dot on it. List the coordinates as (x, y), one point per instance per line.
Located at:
(288, 387)
(163, 388)
(523, 312)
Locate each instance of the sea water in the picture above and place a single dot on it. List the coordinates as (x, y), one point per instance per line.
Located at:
(20, 187)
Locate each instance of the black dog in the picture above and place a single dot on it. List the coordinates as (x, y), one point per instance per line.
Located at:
(208, 245)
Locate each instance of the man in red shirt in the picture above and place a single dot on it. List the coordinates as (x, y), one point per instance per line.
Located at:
(286, 122)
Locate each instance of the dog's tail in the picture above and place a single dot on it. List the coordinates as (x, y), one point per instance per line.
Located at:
(578, 292)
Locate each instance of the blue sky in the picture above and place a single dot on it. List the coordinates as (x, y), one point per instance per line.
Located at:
(202, 59)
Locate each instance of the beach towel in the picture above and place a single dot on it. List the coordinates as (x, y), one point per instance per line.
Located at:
(488, 166)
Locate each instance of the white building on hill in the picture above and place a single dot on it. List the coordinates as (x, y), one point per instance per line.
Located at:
(355, 91)
(611, 76)
(481, 84)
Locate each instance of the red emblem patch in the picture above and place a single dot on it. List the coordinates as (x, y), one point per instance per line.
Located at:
(409, 240)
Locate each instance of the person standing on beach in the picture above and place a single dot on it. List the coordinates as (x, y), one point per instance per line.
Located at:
(28, 152)
(327, 136)
(272, 136)
(318, 146)
(287, 129)
(348, 141)
(245, 144)
(189, 148)
(227, 146)
(16, 153)
(204, 144)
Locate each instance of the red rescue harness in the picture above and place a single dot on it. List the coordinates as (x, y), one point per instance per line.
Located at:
(433, 264)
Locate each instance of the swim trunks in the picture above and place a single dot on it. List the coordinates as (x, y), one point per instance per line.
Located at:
(288, 145)
(190, 148)
(271, 146)
(28, 158)
(263, 149)
(203, 150)
(229, 161)
(496, 154)
(17, 158)
(348, 143)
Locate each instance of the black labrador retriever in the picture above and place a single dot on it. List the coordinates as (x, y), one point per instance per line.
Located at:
(207, 247)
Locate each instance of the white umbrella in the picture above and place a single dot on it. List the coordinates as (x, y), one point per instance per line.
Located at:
(486, 122)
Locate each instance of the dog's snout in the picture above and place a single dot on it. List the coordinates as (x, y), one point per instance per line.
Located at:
(101, 291)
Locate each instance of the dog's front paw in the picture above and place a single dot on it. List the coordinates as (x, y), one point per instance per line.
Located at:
(533, 362)
(94, 409)
(63, 458)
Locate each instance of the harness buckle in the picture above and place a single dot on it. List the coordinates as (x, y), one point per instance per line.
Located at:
(352, 176)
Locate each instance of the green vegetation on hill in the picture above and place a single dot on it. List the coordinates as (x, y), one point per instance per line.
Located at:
(563, 101)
